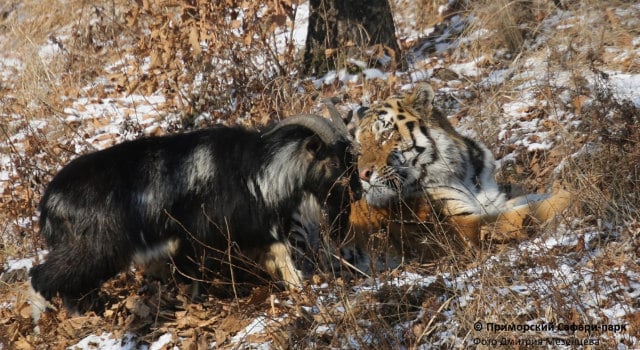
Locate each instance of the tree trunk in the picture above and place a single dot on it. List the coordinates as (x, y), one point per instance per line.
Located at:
(348, 28)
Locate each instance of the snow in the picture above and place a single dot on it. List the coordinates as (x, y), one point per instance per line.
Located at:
(22, 264)
(468, 69)
(626, 87)
(496, 78)
(19, 264)
(301, 27)
(256, 326)
(106, 341)
(162, 342)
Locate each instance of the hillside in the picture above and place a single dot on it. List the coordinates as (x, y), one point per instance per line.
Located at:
(552, 88)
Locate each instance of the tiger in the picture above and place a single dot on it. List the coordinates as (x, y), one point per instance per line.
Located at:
(418, 171)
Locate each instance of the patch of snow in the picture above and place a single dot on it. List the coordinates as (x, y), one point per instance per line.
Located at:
(301, 24)
(19, 264)
(324, 329)
(374, 73)
(626, 87)
(257, 326)
(468, 69)
(25, 263)
(496, 78)
(420, 75)
(162, 342)
(106, 341)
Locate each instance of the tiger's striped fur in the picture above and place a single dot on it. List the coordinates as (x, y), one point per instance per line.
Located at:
(411, 153)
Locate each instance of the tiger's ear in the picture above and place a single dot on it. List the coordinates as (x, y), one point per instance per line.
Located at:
(361, 112)
(421, 98)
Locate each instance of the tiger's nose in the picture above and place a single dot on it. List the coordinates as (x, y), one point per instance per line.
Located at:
(365, 174)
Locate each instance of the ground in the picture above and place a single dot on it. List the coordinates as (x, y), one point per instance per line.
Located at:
(553, 88)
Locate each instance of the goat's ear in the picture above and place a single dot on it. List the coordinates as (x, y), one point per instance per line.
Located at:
(316, 147)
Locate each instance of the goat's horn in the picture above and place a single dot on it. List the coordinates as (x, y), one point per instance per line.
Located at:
(323, 127)
(336, 118)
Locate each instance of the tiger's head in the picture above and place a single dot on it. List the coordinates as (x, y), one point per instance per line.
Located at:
(397, 146)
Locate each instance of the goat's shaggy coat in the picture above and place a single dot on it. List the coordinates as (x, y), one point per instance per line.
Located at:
(197, 196)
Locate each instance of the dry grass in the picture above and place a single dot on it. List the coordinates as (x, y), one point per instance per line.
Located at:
(603, 170)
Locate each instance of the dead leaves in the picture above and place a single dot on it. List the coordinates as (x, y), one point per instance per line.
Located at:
(194, 40)
(227, 327)
(79, 327)
(15, 323)
(151, 312)
(203, 54)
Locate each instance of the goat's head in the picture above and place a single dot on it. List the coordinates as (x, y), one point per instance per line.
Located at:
(332, 176)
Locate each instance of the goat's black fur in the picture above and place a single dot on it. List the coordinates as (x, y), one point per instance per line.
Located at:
(203, 190)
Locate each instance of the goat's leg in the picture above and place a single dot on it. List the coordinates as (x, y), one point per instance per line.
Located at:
(278, 263)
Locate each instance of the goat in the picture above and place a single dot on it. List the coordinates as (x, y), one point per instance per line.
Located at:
(190, 196)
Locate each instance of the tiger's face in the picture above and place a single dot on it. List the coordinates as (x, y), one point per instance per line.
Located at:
(397, 138)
